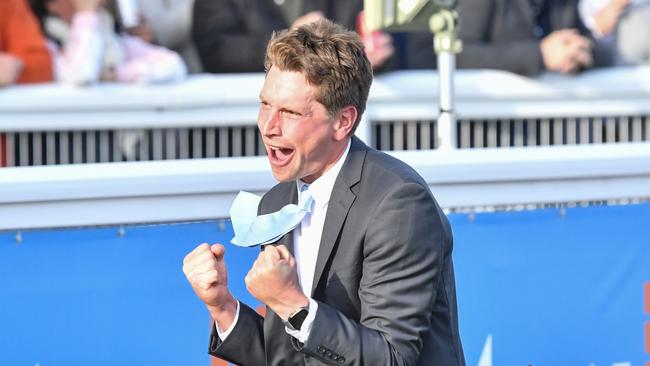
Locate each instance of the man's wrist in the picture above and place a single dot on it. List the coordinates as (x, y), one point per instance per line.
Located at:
(224, 333)
(224, 314)
(287, 308)
(296, 318)
(306, 327)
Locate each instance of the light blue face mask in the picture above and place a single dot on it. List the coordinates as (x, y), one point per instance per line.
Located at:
(251, 230)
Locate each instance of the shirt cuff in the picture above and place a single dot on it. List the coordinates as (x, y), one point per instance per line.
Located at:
(305, 329)
(223, 335)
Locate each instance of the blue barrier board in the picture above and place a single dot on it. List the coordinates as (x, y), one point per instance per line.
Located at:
(534, 288)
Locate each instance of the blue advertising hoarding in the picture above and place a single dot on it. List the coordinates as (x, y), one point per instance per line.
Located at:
(540, 287)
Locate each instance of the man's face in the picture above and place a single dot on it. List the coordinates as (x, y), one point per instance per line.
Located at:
(302, 141)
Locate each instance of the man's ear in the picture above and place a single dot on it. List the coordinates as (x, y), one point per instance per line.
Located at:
(345, 122)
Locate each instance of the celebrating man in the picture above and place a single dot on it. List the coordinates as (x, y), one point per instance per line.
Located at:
(366, 276)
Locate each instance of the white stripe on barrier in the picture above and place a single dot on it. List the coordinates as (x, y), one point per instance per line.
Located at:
(136, 192)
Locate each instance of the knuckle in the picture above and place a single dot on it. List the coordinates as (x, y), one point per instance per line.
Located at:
(211, 276)
(189, 275)
(250, 277)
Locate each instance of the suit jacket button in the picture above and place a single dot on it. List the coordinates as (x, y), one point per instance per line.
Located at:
(328, 353)
(321, 349)
(340, 360)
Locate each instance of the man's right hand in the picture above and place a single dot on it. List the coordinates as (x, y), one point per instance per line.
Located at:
(566, 51)
(205, 269)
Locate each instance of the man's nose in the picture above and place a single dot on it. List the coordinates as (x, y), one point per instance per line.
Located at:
(271, 123)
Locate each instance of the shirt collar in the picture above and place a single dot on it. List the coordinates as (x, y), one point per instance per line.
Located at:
(321, 188)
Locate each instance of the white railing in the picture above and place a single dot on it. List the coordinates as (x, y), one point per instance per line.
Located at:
(214, 100)
(172, 191)
(48, 124)
(214, 116)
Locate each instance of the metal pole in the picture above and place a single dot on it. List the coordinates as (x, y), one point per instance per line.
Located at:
(446, 46)
(447, 118)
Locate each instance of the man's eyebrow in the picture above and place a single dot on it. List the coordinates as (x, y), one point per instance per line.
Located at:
(291, 110)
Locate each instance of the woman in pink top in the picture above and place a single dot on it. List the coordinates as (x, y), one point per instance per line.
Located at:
(86, 47)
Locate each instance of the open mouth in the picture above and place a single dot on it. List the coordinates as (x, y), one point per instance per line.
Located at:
(280, 155)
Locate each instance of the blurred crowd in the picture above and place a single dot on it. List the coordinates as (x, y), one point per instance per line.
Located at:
(83, 42)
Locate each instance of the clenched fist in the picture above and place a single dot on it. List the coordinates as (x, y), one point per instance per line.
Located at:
(205, 269)
(566, 51)
(273, 280)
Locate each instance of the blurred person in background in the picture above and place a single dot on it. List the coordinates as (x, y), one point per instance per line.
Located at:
(168, 23)
(621, 25)
(86, 47)
(229, 34)
(526, 37)
(24, 57)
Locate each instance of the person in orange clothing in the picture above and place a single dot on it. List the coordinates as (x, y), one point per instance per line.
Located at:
(24, 57)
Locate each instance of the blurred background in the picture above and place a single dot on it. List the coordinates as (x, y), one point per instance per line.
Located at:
(128, 127)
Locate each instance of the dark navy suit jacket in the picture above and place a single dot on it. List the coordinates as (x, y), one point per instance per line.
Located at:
(384, 279)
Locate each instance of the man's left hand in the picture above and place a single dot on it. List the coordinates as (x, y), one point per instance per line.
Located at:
(273, 280)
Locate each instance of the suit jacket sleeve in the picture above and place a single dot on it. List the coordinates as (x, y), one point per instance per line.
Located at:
(478, 21)
(401, 271)
(249, 327)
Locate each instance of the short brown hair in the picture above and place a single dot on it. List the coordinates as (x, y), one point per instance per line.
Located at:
(331, 58)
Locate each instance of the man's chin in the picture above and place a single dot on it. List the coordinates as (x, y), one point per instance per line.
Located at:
(282, 176)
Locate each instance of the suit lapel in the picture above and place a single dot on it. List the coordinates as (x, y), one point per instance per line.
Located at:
(339, 205)
(287, 239)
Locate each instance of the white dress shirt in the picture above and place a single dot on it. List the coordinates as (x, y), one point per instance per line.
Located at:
(306, 241)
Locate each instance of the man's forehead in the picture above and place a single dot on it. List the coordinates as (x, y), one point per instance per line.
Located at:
(278, 72)
(280, 84)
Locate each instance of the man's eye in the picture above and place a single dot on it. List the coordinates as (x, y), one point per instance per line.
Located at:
(292, 113)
